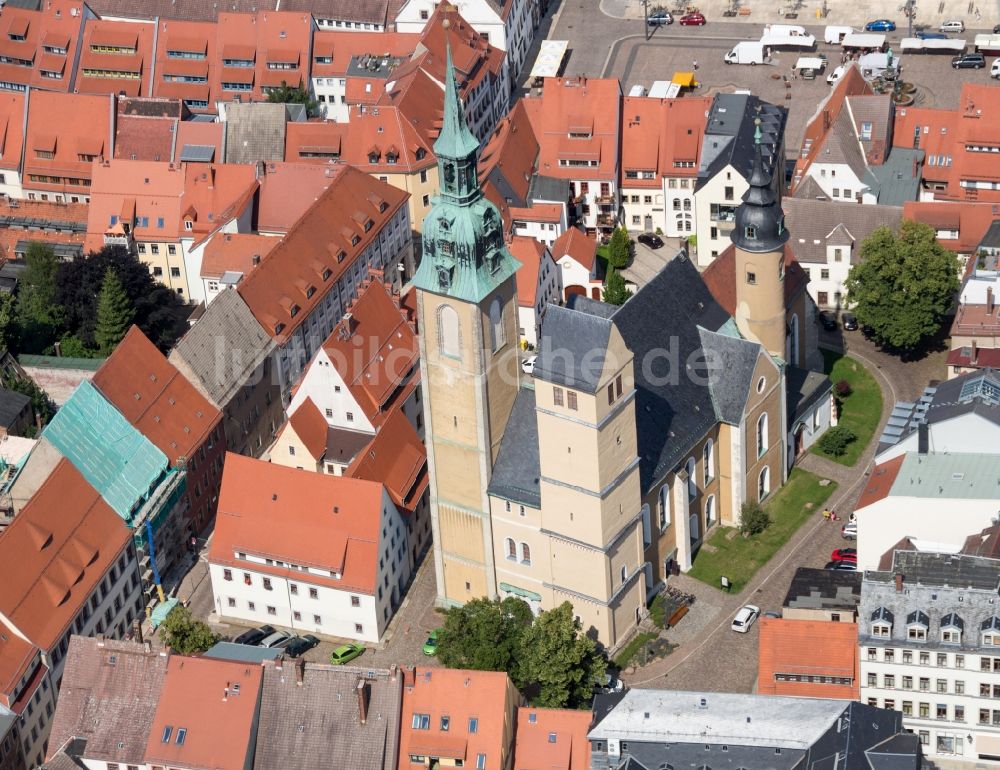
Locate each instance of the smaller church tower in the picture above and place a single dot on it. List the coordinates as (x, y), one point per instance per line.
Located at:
(467, 306)
(759, 237)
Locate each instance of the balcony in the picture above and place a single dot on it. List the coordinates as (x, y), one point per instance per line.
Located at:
(605, 200)
(606, 220)
(118, 239)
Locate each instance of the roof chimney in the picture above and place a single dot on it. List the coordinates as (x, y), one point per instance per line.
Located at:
(362, 690)
(826, 120)
(899, 582)
(255, 259)
(300, 671)
(261, 169)
(923, 438)
(989, 300)
(974, 357)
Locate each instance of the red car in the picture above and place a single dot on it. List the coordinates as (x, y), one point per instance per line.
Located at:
(692, 20)
(845, 554)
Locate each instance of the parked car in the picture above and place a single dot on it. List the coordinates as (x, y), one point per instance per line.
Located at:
(834, 76)
(828, 320)
(651, 240)
(849, 531)
(880, 25)
(692, 20)
(660, 18)
(528, 365)
(868, 331)
(953, 25)
(254, 636)
(842, 566)
(609, 684)
(845, 554)
(275, 639)
(969, 61)
(745, 618)
(771, 614)
(299, 645)
(346, 653)
(849, 321)
(932, 36)
(431, 645)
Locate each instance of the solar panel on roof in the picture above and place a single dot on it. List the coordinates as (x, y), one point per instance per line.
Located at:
(198, 153)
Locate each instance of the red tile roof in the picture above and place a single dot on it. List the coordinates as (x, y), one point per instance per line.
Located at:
(396, 457)
(288, 190)
(576, 244)
(139, 137)
(589, 107)
(310, 426)
(11, 128)
(215, 702)
(458, 695)
(986, 358)
(946, 136)
(659, 133)
(535, 746)
(904, 544)
(318, 249)
(116, 56)
(539, 212)
(156, 398)
(299, 517)
(880, 482)
(720, 278)
(972, 220)
(808, 648)
(57, 549)
(16, 655)
(512, 150)
(87, 134)
(340, 47)
(530, 254)
(57, 27)
(235, 252)
(374, 350)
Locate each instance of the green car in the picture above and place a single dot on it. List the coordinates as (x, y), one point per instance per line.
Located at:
(346, 653)
(431, 645)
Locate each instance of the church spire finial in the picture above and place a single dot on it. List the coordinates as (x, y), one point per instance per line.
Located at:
(455, 140)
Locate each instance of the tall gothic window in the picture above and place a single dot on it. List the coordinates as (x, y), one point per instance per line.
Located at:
(497, 334)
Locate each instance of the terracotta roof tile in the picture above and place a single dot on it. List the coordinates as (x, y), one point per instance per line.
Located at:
(16, 656)
(972, 220)
(49, 131)
(289, 190)
(530, 254)
(310, 426)
(576, 244)
(235, 252)
(144, 138)
(329, 522)
(512, 152)
(720, 278)
(808, 648)
(880, 482)
(11, 128)
(105, 47)
(155, 398)
(57, 549)
(58, 25)
(341, 47)
(657, 133)
(555, 739)
(396, 457)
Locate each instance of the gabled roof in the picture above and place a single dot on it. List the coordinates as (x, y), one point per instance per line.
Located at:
(371, 11)
(310, 426)
(733, 360)
(809, 648)
(288, 190)
(397, 459)
(11, 128)
(972, 220)
(16, 656)
(663, 136)
(328, 522)
(254, 131)
(89, 133)
(815, 224)
(310, 254)
(53, 554)
(123, 48)
(57, 26)
(508, 159)
(577, 245)
(880, 482)
(314, 722)
(555, 739)
(730, 136)
(155, 398)
(517, 467)
(530, 253)
(720, 277)
(109, 695)
(235, 253)
(215, 703)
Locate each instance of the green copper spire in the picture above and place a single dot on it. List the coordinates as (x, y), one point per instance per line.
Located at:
(464, 254)
(455, 139)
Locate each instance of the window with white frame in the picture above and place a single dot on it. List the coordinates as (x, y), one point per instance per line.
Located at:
(664, 507)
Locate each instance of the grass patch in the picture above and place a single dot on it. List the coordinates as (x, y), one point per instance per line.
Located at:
(861, 411)
(624, 658)
(658, 611)
(740, 558)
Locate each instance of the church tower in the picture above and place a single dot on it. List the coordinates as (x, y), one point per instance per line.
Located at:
(467, 309)
(759, 237)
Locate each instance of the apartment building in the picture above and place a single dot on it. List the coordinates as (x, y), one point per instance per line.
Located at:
(929, 635)
(340, 575)
(116, 57)
(13, 107)
(42, 46)
(576, 254)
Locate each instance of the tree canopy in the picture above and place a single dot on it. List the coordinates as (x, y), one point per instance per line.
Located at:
(903, 284)
(286, 94)
(38, 310)
(619, 248)
(548, 658)
(615, 290)
(114, 313)
(184, 633)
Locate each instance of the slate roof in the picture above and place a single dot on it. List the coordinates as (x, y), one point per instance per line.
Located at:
(225, 347)
(991, 239)
(729, 135)
(823, 589)
(108, 696)
(803, 388)
(733, 359)
(898, 179)
(929, 568)
(517, 467)
(254, 131)
(316, 725)
(815, 224)
(12, 404)
(571, 350)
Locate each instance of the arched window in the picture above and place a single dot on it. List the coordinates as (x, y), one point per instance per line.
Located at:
(762, 434)
(525, 553)
(708, 459)
(511, 547)
(687, 204)
(764, 483)
(691, 468)
(677, 204)
(448, 332)
(497, 334)
(664, 507)
(709, 511)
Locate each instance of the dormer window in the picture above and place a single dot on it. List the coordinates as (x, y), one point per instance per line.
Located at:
(327, 272)
(294, 311)
(750, 231)
(279, 328)
(341, 256)
(373, 157)
(917, 624)
(991, 632)
(355, 240)
(420, 154)
(882, 623)
(951, 628)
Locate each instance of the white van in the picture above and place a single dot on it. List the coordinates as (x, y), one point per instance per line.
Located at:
(637, 90)
(995, 69)
(952, 26)
(834, 34)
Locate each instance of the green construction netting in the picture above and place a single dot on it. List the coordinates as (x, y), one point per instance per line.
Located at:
(115, 459)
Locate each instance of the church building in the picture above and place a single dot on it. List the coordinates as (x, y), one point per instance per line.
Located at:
(642, 427)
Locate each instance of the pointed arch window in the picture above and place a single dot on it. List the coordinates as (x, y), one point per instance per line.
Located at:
(762, 434)
(691, 468)
(708, 457)
(449, 338)
(498, 334)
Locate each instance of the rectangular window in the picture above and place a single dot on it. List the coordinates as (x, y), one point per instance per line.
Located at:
(355, 601)
(313, 593)
(557, 396)
(267, 584)
(271, 611)
(473, 725)
(227, 574)
(480, 762)
(571, 400)
(181, 735)
(165, 738)
(421, 722)
(445, 723)
(232, 602)
(907, 682)
(618, 386)
(611, 394)
(318, 620)
(358, 628)
(925, 710)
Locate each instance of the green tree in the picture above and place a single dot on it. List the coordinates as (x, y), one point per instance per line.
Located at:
(184, 633)
(71, 346)
(619, 248)
(836, 439)
(561, 664)
(903, 284)
(10, 330)
(485, 635)
(615, 291)
(114, 313)
(753, 518)
(43, 406)
(288, 95)
(39, 313)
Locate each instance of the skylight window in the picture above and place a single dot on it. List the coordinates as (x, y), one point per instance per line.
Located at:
(166, 734)
(181, 735)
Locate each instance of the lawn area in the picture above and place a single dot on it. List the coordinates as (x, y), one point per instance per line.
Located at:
(861, 411)
(625, 655)
(739, 558)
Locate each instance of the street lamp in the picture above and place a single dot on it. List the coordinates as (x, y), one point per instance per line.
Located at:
(645, 19)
